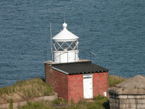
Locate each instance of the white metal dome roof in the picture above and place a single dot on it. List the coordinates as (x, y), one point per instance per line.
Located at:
(65, 35)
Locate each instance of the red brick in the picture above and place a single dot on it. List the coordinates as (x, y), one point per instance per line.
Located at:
(75, 87)
(71, 86)
(100, 83)
(57, 80)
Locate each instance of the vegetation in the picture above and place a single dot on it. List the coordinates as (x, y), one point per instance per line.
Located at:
(113, 80)
(99, 103)
(23, 90)
(11, 104)
(35, 105)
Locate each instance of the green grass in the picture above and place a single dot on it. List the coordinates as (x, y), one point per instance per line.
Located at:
(35, 105)
(22, 90)
(63, 104)
(113, 80)
(11, 104)
(37, 87)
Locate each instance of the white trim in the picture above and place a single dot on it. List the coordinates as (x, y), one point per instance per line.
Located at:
(60, 70)
(89, 76)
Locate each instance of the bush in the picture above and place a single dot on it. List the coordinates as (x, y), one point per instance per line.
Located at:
(72, 101)
(113, 80)
(48, 90)
(82, 104)
(100, 100)
(57, 101)
(65, 101)
(11, 104)
(35, 105)
(94, 106)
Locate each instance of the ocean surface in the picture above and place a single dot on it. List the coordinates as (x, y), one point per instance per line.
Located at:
(113, 29)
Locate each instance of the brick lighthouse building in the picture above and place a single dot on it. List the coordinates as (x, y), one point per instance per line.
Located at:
(71, 77)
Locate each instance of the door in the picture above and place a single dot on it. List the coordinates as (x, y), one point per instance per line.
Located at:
(87, 86)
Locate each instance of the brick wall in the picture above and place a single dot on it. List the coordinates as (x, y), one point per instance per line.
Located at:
(71, 86)
(57, 80)
(49, 75)
(100, 83)
(75, 87)
(61, 84)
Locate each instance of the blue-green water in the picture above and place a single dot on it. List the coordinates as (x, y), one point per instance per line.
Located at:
(113, 29)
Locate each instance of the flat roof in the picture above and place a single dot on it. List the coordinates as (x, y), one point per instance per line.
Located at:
(80, 67)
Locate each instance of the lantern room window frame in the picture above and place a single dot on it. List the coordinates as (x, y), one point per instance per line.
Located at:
(63, 46)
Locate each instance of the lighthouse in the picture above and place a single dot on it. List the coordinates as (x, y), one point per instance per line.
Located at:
(65, 46)
(71, 77)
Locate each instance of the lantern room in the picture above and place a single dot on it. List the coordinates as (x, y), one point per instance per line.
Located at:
(65, 45)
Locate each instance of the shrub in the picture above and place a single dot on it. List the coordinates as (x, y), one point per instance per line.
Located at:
(94, 106)
(29, 93)
(82, 101)
(64, 101)
(35, 105)
(100, 100)
(48, 90)
(113, 80)
(11, 104)
(72, 101)
(57, 101)
(1, 91)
